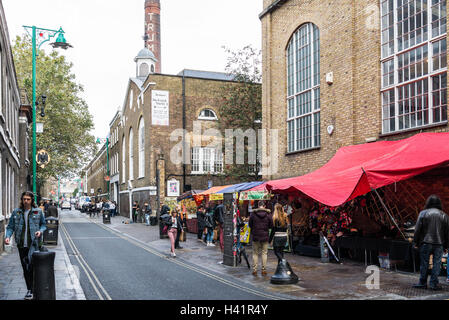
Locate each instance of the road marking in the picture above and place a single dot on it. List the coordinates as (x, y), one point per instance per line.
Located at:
(144, 246)
(90, 274)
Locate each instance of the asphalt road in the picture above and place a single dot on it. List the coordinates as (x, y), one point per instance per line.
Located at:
(112, 267)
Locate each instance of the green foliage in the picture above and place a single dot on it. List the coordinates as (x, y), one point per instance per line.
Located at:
(67, 120)
(75, 192)
(242, 104)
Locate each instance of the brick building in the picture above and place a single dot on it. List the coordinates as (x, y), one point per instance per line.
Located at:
(343, 72)
(94, 175)
(15, 118)
(156, 108)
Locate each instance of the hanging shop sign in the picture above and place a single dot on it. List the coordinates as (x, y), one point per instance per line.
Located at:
(173, 188)
(254, 195)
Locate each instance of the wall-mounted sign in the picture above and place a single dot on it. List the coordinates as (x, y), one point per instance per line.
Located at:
(173, 188)
(160, 109)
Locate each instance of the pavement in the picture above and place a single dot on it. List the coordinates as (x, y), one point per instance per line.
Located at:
(318, 281)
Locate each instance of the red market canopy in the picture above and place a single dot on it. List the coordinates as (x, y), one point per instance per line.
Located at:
(356, 170)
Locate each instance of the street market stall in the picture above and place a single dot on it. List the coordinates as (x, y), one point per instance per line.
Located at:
(189, 209)
(366, 199)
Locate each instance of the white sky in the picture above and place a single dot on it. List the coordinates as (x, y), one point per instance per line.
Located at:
(107, 35)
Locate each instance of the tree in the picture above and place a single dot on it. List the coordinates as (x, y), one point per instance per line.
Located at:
(242, 107)
(67, 120)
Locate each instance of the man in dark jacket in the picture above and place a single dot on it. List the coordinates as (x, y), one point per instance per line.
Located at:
(52, 210)
(219, 218)
(260, 222)
(431, 236)
(201, 223)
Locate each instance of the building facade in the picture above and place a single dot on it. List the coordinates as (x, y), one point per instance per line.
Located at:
(349, 72)
(15, 117)
(95, 175)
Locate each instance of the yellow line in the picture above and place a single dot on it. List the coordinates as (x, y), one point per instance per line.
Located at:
(210, 275)
(85, 265)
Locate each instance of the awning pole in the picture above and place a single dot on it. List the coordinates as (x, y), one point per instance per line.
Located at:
(386, 209)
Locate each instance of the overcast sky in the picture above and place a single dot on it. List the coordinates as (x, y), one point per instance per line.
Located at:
(107, 35)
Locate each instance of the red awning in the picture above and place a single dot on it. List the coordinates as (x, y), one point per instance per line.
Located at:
(385, 162)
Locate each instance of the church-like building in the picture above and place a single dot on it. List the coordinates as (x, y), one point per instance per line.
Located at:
(147, 157)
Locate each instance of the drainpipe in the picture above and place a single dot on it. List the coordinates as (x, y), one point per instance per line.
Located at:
(183, 132)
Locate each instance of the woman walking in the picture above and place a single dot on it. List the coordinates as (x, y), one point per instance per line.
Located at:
(173, 230)
(279, 231)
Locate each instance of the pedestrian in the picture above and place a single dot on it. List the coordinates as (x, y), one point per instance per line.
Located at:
(173, 230)
(99, 207)
(279, 231)
(260, 222)
(114, 208)
(27, 223)
(201, 224)
(219, 218)
(180, 224)
(209, 222)
(111, 208)
(431, 237)
(148, 211)
(42, 206)
(46, 205)
(135, 211)
(52, 210)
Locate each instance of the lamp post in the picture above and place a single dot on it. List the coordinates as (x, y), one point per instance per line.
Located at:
(37, 42)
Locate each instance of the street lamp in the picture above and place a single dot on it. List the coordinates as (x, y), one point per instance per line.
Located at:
(39, 37)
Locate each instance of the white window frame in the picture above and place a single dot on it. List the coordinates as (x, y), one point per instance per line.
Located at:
(427, 45)
(303, 128)
(210, 118)
(213, 160)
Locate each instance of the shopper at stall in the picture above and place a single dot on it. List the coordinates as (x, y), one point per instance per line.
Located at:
(260, 222)
(278, 233)
(431, 237)
(209, 221)
(200, 215)
(218, 216)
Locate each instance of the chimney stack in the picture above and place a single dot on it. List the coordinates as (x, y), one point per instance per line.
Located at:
(153, 30)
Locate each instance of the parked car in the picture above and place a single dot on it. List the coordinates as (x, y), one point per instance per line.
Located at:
(66, 205)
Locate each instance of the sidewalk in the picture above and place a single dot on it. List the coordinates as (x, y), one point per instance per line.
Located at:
(330, 281)
(12, 283)
(319, 281)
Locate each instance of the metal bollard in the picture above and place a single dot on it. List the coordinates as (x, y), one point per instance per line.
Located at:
(44, 275)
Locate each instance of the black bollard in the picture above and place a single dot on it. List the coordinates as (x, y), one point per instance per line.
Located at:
(44, 275)
(106, 217)
(284, 274)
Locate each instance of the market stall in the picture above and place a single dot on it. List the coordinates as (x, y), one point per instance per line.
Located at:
(366, 199)
(189, 209)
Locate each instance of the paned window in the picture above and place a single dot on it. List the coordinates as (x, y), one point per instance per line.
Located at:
(131, 154)
(141, 148)
(207, 160)
(414, 65)
(303, 89)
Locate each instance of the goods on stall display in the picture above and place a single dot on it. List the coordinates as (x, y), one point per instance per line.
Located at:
(245, 233)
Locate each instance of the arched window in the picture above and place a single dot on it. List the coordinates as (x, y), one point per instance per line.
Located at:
(123, 160)
(131, 98)
(152, 68)
(131, 154)
(207, 114)
(144, 70)
(141, 148)
(303, 89)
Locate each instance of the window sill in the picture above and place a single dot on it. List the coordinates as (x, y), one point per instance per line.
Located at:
(434, 125)
(302, 151)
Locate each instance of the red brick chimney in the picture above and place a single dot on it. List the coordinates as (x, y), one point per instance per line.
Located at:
(153, 29)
